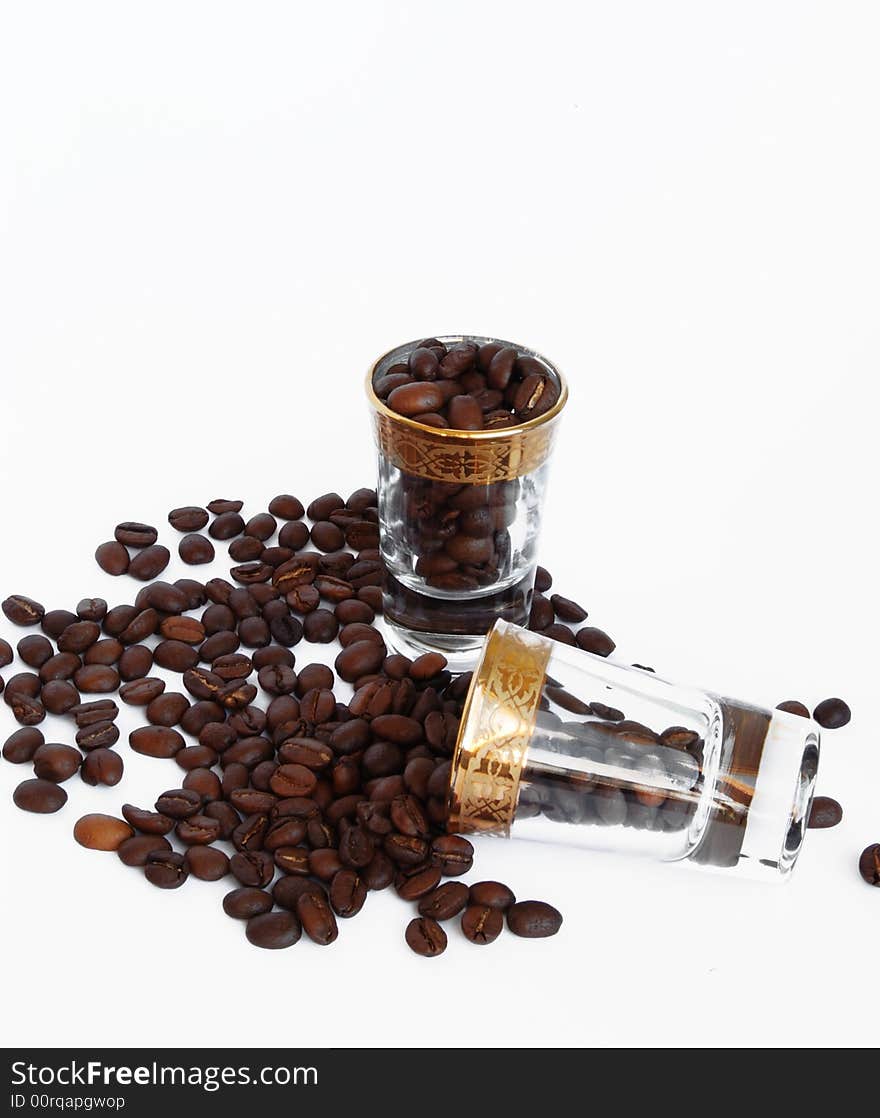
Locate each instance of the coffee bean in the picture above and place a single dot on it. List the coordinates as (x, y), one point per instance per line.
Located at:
(59, 696)
(91, 609)
(412, 886)
(222, 505)
(156, 741)
(167, 709)
(792, 706)
(175, 656)
(831, 714)
(869, 864)
(135, 851)
(359, 659)
(245, 902)
(133, 534)
(195, 549)
(316, 917)
(444, 902)
(90, 714)
(148, 822)
(273, 930)
(112, 557)
(492, 894)
(149, 563)
(286, 507)
(96, 679)
(824, 812)
(347, 893)
(40, 796)
(135, 663)
(226, 526)
(97, 735)
(567, 610)
(20, 747)
(56, 762)
(141, 692)
(190, 518)
(101, 832)
(56, 621)
(198, 830)
(6, 655)
(425, 936)
(23, 611)
(320, 626)
(34, 650)
(482, 924)
(452, 854)
(102, 766)
(165, 870)
(253, 867)
(107, 652)
(179, 803)
(533, 919)
(595, 641)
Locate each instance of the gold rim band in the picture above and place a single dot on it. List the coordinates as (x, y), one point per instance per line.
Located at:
(496, 727)
(463, 457)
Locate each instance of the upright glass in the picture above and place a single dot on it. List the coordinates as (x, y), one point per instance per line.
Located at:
(562, 746)
(459, 519)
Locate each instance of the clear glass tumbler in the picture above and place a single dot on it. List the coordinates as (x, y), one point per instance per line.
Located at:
(459, 518)
(562, 746)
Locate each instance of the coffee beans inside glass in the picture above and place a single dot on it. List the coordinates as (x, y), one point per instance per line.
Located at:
(464, 427)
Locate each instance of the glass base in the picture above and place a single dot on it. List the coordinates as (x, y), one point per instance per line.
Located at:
(461, 651)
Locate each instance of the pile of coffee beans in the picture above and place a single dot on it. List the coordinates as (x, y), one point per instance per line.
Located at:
(466, 387)
(305, 801)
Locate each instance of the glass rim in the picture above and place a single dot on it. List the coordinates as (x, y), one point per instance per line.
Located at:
(442, 433)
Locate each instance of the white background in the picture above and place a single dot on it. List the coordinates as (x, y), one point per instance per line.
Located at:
(215, 215)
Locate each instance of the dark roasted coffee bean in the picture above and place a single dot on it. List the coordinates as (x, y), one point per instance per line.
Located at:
(63, 665)
(56, 762)
(42, 797)
(133, 534)
(359, 659)
(20, 747)
(347, 893)
(482, 924)
(101, 832)
(533, 919)
(287, 891)
(34, 650)
(179, 803)
(411, 885)
(190, 518)
(831, 714)
(167, 709)
(245, 549)
(595, 641)
(6, 655)
(102, 766)
(245, 902)
(23, 611)
(195, 549)
(316, 917)
(96, 679)
(453, 854)
(294, 536)
(226, 526)
(356, 848)
(56, 621)
(567, 610)
(542, 615)
(147, 822)
(406, 850)
(492, 894)
(292, 860)
(149, 563)
(156, 741)
(141, 692)
(286, 507)
(253, 867)
(253, 632)
(26, 711)
(112, 557)
(165, 870)
(136, 662)
(134, 851)
(198, 830)
(320, 626)
(445, 901)
(824, 812)
(108, 652)
(59, 696)
(91, 609)
(97, 735)
(222, 505)
(273, 930)
(425, 936)
(792, 706)
(90, 714)
(869, 864)
(543, 580)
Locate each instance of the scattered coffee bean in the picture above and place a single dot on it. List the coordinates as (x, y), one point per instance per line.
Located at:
(195, 549)
(492, 894)
(831, 714)
(425, 936)
(23, 611)
(533, 919)
(112, 557)
(792, 706)
(869, 864)
(482, 924)
(40, 796)
(190, 518)
(824, 812)
(101, 832)
(165, 870)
